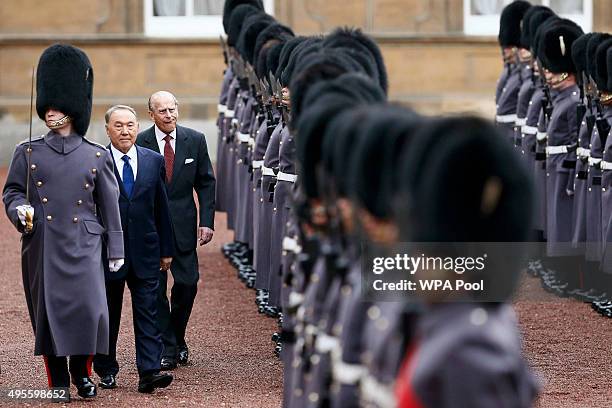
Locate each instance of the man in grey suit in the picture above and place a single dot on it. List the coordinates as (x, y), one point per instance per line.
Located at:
(188, 168)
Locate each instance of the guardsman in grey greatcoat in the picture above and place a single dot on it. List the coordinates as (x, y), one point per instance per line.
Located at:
(587, 121)
(530, 84)
(533, 158)
(604, 74)
(68, 185)
(228, 76)
(510, 41)
(467, 352)
(555, 48)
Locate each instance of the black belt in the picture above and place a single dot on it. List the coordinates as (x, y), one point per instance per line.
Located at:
(597, 181)
(518, 142)
(540, 156)
(569, 164)
(582, 175)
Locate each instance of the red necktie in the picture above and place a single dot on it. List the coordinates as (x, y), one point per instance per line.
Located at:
(169, 158)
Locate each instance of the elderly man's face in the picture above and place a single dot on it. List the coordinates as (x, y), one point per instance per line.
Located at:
(164, 112)
(122, 129)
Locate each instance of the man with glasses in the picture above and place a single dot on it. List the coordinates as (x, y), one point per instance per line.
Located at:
(188, 168)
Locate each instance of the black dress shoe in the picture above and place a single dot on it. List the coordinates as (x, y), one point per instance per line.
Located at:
(168, 363)
(183, 354)
(149, 383)
(108, 382)
(85, 387)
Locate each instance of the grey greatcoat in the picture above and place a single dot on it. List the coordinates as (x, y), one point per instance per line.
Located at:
(560, 169)
(75, 195)
(228, 77)
(593, 246)
(606, 198)
(466, 355)
(506, 104)
(580, 183)
(523, 102)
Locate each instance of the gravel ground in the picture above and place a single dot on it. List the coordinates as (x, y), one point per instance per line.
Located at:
(232, 364)
(232, 360)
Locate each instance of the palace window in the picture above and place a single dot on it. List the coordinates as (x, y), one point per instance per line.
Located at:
(481, 17)
(187, 18)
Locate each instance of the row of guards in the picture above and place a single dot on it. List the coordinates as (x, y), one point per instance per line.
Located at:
(315, 165)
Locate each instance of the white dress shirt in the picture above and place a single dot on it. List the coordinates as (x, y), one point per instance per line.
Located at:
(161, 143)
(132, 154)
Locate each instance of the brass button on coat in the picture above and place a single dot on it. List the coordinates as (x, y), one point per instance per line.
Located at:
(45, 200)
(79, 202)
(49, 218)
(75, 219)
(39, 183)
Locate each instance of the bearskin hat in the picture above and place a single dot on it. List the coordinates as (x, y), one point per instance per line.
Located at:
(275, 31)
(311, 46)
(64, 81)
(601, 65)
(231, 5)
(579, 48)
(286, 53)
(510, 23)
(533, 18)
(556, 46)
(356, 39)
(239, 16)
(252, 26)
(594, 42)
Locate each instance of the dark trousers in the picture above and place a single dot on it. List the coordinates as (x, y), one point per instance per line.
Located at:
(60, 369)
(146, 331)
(173, 314)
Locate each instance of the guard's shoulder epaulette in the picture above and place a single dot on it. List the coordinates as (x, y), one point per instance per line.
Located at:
(34, 139)
(94, 143)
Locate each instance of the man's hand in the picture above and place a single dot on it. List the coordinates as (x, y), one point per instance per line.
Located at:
(164, 263)
(205, 235)
(115, 264)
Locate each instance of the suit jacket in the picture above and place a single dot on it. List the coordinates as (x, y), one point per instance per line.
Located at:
(145, 218)
(192, 171)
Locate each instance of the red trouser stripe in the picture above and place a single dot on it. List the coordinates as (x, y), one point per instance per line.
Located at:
(405, 394)
(48, 372)
(89, 360)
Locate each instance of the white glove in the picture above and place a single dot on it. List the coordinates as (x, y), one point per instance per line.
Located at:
(115, 264)
(21, 212)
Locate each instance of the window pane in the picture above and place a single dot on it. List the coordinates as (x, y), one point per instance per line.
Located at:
(165, 8)
(492, 7)
(208, 7)
(567, 6)
(486, 7)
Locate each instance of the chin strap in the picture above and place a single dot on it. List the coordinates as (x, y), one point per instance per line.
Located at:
(56, 124)
(558, 81)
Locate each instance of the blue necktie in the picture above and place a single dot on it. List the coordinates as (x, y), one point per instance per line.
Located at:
(128, 176)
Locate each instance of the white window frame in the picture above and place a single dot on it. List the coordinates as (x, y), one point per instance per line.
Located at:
(489, 24)
(187, 26)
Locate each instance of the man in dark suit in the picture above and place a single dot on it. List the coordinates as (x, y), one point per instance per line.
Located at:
(188, 168)
(148, 240)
